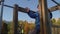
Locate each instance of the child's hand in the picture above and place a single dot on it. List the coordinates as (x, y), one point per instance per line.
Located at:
(27, 9)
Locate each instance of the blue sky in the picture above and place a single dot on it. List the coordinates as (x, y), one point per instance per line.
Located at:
(8, 12)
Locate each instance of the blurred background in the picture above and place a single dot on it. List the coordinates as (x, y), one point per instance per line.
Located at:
(26, 23)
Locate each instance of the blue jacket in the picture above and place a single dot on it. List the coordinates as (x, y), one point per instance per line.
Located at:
(37, 18)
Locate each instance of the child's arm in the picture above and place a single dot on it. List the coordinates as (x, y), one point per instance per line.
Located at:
(32, 14)
(50, 15)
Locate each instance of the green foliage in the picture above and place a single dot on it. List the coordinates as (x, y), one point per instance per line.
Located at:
(4, 28)
(21, 25)
(8, 27)
(53, 21)
(57, 22)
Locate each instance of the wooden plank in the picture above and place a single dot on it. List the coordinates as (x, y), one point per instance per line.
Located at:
(44, 13)
(23, 9)
(56, 26)
(15, 19)
(52, 9)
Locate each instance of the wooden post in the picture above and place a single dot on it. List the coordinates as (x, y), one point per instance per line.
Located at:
(54, 30)
(15, 19)
(46, 28)
(57, 30)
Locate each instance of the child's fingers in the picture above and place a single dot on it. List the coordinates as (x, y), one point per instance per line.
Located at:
(27, 9)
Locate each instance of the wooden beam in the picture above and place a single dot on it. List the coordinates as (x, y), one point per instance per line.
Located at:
(23, 9)
(52, 9)
(46, 21)
(56, 26)
(15, 19)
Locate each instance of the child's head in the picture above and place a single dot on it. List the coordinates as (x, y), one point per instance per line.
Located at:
(38, 6)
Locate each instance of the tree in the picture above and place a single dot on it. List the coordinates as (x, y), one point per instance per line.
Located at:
(53, 21)
(26, 27)
(4, 28)
(10, 27)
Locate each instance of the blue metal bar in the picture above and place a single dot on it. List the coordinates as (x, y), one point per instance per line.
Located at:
(55, 2)
(1, 14)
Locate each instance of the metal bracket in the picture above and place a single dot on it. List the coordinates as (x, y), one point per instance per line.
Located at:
(1, 0)
(56, 2)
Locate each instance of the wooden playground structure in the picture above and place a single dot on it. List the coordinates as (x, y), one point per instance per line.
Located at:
(45, 22)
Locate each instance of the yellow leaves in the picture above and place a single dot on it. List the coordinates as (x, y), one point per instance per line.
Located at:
(27, 26)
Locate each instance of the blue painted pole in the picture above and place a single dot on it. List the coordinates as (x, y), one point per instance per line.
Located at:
(1, 14)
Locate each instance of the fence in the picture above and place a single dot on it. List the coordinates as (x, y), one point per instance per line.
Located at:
(55, 29)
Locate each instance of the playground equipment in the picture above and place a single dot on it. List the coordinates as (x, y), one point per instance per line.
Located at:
(45, 23)
(55, 2)
(1, 13)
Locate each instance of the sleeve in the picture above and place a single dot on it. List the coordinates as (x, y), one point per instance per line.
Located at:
(50, 15)
(32, 14)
